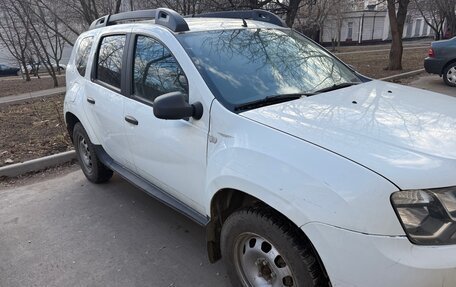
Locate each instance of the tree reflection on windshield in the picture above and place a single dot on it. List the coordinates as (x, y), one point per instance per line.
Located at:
(250, 64)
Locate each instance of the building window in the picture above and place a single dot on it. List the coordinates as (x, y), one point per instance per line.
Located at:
(350, 31)
(418, 27)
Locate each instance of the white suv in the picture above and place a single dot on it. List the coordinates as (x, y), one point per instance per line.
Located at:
(304, 172)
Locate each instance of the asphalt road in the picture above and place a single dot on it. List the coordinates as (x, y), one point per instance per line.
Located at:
(68, 232)
(433, 83)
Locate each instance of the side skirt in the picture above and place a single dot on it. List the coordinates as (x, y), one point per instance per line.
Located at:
(151, 189)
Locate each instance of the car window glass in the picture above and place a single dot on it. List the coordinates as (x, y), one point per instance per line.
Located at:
(246, 65)
(109, 66)
(156, 71)
(82, 55)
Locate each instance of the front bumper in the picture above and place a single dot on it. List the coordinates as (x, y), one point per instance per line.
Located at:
(354, 259)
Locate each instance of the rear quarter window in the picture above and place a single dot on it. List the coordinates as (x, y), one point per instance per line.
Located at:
(82, 55)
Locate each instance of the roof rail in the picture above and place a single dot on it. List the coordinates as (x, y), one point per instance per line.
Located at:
(256, 14)
(162, 16)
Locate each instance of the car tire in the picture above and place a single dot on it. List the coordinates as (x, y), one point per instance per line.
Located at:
(91, 166)
(449, 75)
(261, 248)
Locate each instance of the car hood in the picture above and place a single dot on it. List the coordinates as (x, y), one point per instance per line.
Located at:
(405, 134)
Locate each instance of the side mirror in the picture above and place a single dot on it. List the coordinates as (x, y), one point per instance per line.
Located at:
(173, 106)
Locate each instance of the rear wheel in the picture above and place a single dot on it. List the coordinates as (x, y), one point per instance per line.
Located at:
(93, 169)
(262, 249)
(449, 75)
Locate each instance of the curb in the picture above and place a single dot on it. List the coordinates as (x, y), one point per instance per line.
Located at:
(17, 169)
(403, 75)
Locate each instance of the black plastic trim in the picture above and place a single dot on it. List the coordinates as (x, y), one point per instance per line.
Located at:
(162, 16)
(151, 189)
(131, 120)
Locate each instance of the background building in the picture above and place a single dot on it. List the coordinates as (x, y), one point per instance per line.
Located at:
(369, 22)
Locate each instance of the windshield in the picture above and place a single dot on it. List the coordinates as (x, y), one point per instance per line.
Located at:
(245, 65)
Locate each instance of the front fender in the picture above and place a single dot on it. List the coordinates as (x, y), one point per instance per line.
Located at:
(304, 182)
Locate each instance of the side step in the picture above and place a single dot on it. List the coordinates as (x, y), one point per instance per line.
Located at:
(151, 189)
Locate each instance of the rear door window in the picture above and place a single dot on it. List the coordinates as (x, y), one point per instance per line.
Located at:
(109, 60)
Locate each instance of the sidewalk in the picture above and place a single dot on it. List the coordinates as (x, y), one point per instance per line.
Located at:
(27, 96)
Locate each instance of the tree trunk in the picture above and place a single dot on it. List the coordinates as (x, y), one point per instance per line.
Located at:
(26, 71)
(397, 22)
(55, 81)
(292, 11)
(117, 9)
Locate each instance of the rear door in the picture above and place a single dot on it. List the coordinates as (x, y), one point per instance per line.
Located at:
(105, 102)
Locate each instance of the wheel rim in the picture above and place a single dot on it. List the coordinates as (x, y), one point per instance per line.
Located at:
(259, 263)
(84, 153)
(451, 75)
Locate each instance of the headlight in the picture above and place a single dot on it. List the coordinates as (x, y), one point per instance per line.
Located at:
(428, 216)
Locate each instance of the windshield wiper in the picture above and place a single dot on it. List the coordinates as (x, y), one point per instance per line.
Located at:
(336, 87)
(270, 100)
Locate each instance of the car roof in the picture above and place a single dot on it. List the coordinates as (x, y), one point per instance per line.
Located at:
(195, 24)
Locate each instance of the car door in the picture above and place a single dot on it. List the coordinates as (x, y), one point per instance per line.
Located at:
(104, 103)
(168, 153)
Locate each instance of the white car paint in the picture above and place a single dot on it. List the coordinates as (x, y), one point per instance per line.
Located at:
(330, 165)
(399, 132)
(378, 261)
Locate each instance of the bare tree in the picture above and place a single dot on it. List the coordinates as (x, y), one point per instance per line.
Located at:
(312, 15)
(397, 21)
(75, 16)
(448, 9)
(14, 37)
(40, 39)
(432, 15)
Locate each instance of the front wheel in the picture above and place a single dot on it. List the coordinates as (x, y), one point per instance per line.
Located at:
(449, 75)
(91, 166)
(262, 249)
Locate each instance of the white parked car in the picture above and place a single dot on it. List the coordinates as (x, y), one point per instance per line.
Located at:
(304, 172)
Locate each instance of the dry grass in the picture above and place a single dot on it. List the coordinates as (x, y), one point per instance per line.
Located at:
(32, 129)
(373, 64)
(14, 86)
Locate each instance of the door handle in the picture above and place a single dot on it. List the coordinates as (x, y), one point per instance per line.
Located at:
(131, 120)
(91, 100)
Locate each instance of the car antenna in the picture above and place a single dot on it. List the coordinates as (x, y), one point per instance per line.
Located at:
(244, 23)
